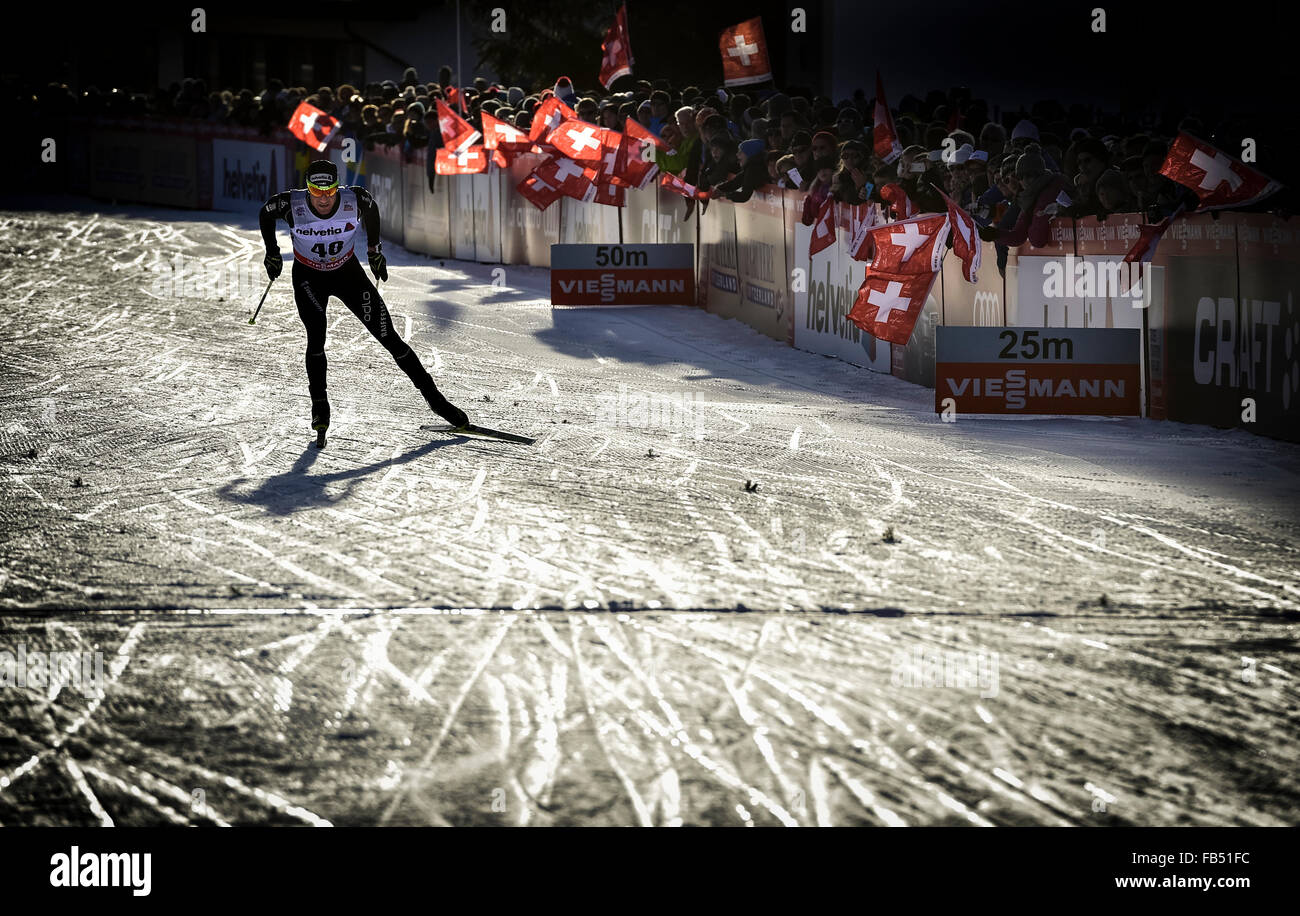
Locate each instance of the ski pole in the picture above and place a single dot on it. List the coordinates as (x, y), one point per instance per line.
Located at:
(260, 301)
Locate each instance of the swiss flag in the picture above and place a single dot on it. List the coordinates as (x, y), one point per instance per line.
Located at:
(965, 238)
(1218, 179)
(609, 158)
(744, 54)
(823, 228)
(678, 186)
(616, 50)
(548, 116)
(1144, 249)
(457, 133)
(862, 219)
(888, 304)
(312, 126)
(912, 246)
(538, 191)
(579, 140)
(631, 167)
(884, 137)
(501, 135)
(469, 161)
(568, 177)
(455, 96)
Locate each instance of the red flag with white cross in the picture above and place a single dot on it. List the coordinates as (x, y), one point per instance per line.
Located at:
(911, 246)
(568, 177)
(538, 191)
(884, 136)
(312, 126)
(1218, 179)
(888, 304)
(616, 50)
(469, 161)
(579, 140)
(548, 116)
(823, 228)
(744, 54)
(457, 133)
(502, 135)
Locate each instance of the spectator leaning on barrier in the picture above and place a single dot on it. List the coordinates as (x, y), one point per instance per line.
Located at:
(1040, 190)
(752, 159)
(724, 161)
(819, 188)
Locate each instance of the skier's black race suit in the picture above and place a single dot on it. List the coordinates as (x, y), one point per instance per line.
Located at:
(326, 265)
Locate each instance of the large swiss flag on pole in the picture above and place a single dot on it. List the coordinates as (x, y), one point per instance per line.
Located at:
(312, 126)
(744, 54)
(1218, 179)
(616, 51)
(883, 136)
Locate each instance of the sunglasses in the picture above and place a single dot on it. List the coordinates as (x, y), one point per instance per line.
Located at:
(325, 191)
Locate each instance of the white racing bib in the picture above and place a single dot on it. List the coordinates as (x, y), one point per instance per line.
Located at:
(324, 242)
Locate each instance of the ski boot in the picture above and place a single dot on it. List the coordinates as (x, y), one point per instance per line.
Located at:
(444, 408)
(320, 420)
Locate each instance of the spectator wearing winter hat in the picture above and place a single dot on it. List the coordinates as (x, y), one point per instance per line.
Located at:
(645, 114)
(753, 174)
(1024, 133)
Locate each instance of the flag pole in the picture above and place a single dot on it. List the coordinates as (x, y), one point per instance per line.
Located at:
(460, 77)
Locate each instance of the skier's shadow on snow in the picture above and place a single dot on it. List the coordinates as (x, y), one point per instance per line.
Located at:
(294, 489)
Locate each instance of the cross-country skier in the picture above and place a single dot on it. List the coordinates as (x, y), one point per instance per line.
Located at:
(323, 220)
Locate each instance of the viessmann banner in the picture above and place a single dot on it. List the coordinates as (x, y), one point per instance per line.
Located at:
(623, 274)
(1093, 371)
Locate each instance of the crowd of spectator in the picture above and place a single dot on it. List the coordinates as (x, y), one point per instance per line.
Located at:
(1050, 160)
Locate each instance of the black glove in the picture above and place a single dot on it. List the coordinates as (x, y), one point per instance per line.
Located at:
(274, 263)
(378, 265)
(988, 233)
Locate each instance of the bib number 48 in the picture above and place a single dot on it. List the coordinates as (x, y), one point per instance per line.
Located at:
(319, 249)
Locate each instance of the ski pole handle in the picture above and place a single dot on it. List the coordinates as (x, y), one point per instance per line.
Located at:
(260, 301)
